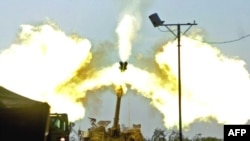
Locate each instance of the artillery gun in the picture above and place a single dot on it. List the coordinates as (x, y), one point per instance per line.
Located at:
(100, 132)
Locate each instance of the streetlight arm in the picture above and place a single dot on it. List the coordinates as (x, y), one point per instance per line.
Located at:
(187, 29)
(190, 25)
(170, 30)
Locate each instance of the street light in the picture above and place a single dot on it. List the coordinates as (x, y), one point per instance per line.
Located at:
(156, 21)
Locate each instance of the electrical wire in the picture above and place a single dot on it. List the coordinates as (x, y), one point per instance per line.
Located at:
(209, 42)
(225, 42)
(229, 41)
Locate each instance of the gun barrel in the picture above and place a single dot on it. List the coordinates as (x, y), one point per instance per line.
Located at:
(117, 112)
(115, 130)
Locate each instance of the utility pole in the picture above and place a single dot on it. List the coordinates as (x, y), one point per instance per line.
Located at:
(156, 21)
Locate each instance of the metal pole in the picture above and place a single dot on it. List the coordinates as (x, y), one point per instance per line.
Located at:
(179, 78)
(158, 22)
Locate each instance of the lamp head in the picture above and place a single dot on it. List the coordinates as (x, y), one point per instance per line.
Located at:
(155, 19)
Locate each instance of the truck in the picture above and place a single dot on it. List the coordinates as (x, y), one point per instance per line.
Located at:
(59, 127)
(22, 118)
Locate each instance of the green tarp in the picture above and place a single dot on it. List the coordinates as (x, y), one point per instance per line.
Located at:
(22, 118)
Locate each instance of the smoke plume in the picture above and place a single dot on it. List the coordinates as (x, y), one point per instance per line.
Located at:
(127, 28)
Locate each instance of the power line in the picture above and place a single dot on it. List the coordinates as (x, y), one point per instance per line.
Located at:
(225, 42)
(214, 42)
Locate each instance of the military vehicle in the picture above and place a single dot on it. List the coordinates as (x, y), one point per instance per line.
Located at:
(22, 118)
(26, 119)
(59, 127)
(100, 132)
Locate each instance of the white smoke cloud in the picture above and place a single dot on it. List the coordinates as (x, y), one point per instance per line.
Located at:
(214, 85)
(42, 58)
